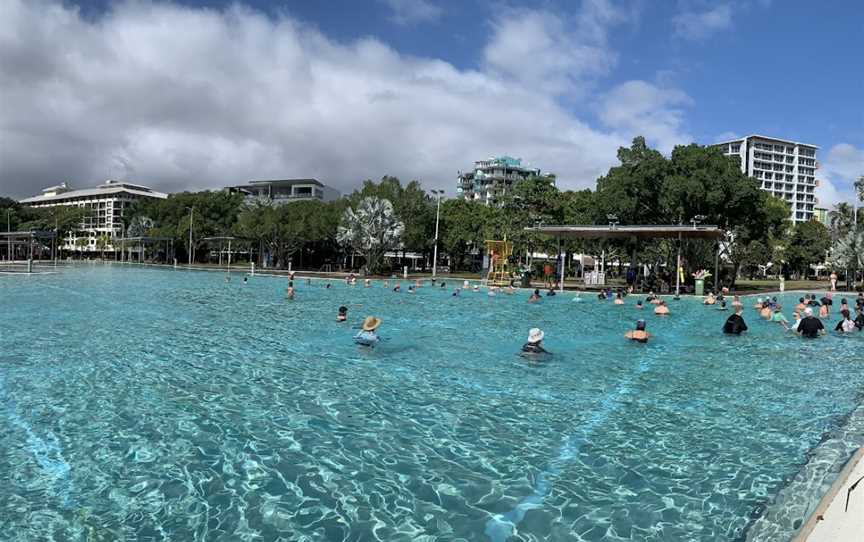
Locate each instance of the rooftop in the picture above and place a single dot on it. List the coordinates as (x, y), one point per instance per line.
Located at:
(626, 232)
(64, 192)
(280, 182)
(757, 136)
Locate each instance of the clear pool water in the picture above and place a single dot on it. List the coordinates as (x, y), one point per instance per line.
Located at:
(143, 404)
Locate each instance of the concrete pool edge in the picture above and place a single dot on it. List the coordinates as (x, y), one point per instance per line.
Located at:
(826, 516)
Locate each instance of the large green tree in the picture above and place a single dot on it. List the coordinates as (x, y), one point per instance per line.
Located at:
(808, 245)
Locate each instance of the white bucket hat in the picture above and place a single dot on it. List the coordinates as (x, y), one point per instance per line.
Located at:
(535, 335)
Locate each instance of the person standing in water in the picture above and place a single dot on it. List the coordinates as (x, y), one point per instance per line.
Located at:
(535, 342)
(639, 334)
(289, 293)
(735, 324)
(367, 335)
(810, 326)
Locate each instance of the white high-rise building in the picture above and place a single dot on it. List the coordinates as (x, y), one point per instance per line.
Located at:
(105, 205)
(786, 169)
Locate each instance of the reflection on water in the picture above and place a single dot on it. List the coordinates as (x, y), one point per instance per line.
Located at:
(149, 404)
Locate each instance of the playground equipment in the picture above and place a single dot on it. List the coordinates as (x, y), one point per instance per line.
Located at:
(499, 262)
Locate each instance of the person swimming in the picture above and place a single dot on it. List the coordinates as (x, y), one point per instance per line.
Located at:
(534, 297)
(289, 293)
(550, 293)
(534, 345)
(639, 334)
(411, 289)
(367, 335)
(639, 304)
(367, 283)
(618, 299)
(342, 315)
(456, 292)
(327, 286)
(722, 306)
(245, 280)
(709, 299)
(397, 288)
(661, 309)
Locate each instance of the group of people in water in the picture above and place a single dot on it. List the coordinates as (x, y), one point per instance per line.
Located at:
(807, 315)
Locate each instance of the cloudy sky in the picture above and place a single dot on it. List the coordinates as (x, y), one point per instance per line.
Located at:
(199, 94)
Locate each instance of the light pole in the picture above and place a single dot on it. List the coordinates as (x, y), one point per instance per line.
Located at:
(437, 194)
(191, 210)
(9, 231)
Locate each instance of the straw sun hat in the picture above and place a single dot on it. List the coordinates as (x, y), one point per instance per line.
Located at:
(535, 335)
(371, 323)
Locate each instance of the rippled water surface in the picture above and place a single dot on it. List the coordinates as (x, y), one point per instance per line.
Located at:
(170, 405)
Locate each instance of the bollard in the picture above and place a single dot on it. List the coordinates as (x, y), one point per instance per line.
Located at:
(175, 263)
(253, 268)
(405, 272)
(29, 265)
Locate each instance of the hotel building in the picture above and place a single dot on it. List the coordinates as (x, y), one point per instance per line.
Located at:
(786, 169)
(493, 178)
(105, 203)
(285, 191)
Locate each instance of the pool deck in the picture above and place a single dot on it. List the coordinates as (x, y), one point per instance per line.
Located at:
(831, 521)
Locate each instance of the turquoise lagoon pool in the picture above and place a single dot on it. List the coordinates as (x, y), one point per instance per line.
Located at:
(149, 404)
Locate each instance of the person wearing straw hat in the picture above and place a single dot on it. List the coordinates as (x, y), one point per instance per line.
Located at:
(535, 342)
(367, 335)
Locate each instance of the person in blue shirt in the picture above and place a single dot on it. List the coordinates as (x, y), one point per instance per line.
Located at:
(367, 335)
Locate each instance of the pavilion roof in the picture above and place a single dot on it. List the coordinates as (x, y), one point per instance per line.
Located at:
(627, 232)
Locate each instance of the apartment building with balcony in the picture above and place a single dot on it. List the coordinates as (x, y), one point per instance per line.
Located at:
(281, 191)
(105, 204)
(490, 179)
(786, 169)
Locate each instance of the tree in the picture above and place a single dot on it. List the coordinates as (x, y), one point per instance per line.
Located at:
(848, 251)
(371, 228)
(102, 242)
(412, 206)
(841, 219)
(465, 225)
(632, 190)
(808, 245)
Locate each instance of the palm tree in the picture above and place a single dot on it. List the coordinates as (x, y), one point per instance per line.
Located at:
(841, 219)
(372, 228)
(101, 242)
(848, 252)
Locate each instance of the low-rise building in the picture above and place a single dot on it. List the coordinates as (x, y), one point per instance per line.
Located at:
(490, 179)
(786, 169)
(280, 191)
(105, 204)
(821, 214)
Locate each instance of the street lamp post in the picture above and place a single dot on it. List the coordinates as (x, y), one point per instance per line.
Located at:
(437, 194)
(191, 210)
(9, 230)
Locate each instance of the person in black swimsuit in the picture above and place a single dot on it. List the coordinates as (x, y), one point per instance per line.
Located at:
(534, 345)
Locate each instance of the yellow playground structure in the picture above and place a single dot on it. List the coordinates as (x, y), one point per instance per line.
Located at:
(499, 262)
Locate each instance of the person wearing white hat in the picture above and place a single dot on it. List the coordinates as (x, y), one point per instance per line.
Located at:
(367, 335)
(535, 342)
(810, 326)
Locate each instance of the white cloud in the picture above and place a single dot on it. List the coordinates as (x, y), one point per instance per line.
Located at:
(698, 25)
(640, 108)
(838, 170)
(726, 136)
(407, 12)
(185, 98)
(539, 48)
